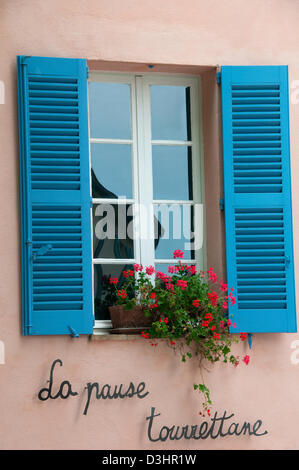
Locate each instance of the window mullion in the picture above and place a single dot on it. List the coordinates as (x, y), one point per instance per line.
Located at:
(146, 218)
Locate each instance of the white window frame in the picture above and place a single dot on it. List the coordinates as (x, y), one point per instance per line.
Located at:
(141, 143)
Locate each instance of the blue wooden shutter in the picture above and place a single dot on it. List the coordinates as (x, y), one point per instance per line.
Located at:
(55, 196)
(257, 196)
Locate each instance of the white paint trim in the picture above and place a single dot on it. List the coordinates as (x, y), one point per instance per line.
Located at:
(94, 140)
(184, 143)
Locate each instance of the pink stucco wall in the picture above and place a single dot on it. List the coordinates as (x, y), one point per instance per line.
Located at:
(196, 34)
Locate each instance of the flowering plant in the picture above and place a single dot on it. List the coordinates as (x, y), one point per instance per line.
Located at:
(191, 310)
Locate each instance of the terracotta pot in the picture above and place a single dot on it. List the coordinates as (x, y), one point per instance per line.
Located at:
(134, 318)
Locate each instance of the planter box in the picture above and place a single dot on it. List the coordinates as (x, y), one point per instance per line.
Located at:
(134, 318)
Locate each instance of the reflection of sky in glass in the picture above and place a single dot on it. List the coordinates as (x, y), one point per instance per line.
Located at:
(176, 225)
(109, 110)
(171, 172)
(169, 108)
(112, 166)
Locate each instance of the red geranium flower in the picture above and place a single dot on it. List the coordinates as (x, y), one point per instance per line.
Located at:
(213, 297)
(178, 254)
(150, 270)
(181, 284)
(122, 293)
(246, 359)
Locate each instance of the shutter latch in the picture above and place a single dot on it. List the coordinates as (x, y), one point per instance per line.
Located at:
(41, 251)
(74, 333)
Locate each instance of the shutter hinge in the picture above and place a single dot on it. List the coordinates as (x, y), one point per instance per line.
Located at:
(24, 58)
(249, 337)
(218, 78)
(221, 204)
(87, 72)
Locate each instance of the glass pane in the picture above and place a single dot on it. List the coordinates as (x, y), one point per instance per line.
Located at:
(111, 170)
(113, 231)
(104, 291)
(170, 111)
(173, 230)
(109, 110)
(172, 172)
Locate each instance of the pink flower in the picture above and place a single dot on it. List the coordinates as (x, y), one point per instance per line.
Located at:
(128, 273)
(193, 269)
(150, 270)
(169, 286)
(232, 298)
(216, 336)
(171, 269)
(181, 284)
(113, 280)
(212, 275)
(234, 325)
(163, 276)
(225, 305)
(223, 287)
(246, 359)
(178, 254)
(213, 297)
(138, 267)
(195, 303)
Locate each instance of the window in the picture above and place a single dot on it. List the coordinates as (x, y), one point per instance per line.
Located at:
(145, 160)
(146, 176)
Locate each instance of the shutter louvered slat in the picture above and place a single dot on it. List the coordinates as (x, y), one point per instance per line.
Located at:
(55, 178)
(258, 203)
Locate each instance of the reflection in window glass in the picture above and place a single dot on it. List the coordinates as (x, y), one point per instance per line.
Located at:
(170, 112)
(104, 291)
(177, 230)
(172, 172)
(111, 166)
(113, 231)
(109, 110)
